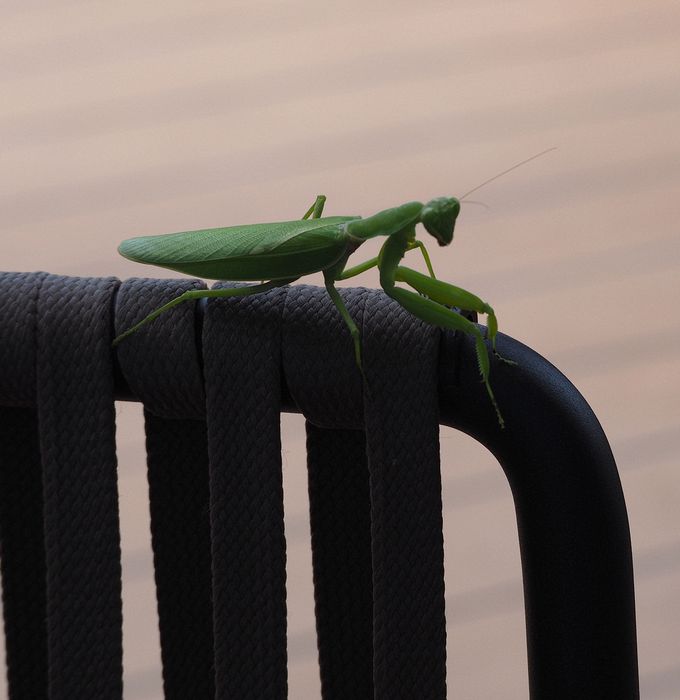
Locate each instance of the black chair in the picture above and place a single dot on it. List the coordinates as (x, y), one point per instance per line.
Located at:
(213, 379)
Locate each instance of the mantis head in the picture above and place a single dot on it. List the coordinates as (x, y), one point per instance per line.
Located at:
(438, 217)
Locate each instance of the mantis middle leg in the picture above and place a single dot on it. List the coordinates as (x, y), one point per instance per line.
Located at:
(330, 277)
(349, 321)
(374, 262)
(316, 209)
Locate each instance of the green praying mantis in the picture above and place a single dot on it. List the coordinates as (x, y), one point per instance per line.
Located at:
(282, 252)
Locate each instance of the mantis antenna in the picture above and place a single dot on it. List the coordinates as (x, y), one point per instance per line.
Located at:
(505, 172)
(479, 204)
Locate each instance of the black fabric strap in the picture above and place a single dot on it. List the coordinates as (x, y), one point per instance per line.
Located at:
(242, 374)
(161, 365)
(340, 523)
(324, 381)
(375, 501)
(82, 542)
(401, 422)
(402, 434)
(21, 498)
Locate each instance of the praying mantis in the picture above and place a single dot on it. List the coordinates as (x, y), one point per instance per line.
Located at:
(282, 252)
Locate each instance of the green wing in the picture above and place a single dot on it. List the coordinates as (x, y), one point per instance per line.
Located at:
(253, 252)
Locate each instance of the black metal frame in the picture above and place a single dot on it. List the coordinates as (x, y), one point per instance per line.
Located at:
(573, 527)
(572, 520)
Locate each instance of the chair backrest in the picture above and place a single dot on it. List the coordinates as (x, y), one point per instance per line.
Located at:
(213, 380)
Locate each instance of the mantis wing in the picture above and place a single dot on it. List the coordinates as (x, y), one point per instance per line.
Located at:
(253, 252)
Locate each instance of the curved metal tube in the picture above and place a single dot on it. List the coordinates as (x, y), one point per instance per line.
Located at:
(573, 527)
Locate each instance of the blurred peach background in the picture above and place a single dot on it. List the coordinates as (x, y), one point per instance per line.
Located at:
(127, 118)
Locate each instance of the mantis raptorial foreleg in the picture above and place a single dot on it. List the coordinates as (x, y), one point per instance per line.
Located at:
(194, 294)
(450, 295)
(432, 312)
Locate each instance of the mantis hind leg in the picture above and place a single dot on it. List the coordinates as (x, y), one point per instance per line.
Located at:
(438, 315)
(194, 294)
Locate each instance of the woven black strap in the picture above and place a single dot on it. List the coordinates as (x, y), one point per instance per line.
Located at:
(21, 497)
(401, 422)
(321, 374)
(340, 522)
(375, 501)
(402, 434)
(161, 365)
(63, 618)
(243, 383)
(77, 444)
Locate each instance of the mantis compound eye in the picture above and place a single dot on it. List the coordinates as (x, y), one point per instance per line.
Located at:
(438, 217)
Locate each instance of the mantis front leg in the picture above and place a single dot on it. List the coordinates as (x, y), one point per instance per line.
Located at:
(438, 315)
(431, 309)
(450, 295)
